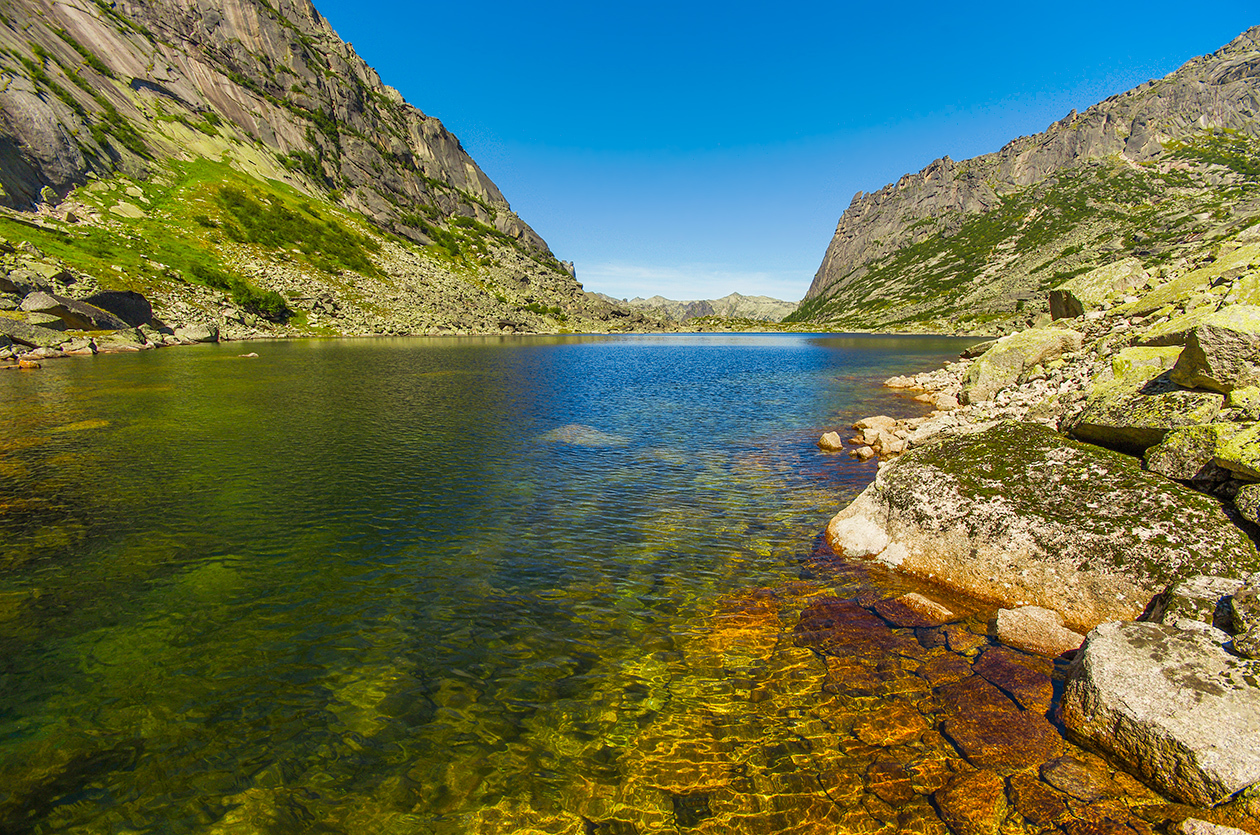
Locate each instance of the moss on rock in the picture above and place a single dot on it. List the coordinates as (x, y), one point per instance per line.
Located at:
(1222, 353)
(1011, 356)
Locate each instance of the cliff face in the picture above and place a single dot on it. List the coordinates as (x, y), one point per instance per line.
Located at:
(236, 162)
(96, 88)
(980, 240)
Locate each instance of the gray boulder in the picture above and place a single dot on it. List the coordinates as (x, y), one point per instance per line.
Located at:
(128, 305)
(1247, 502)
(76, 314)
(1189, 453)
(1011, 356)
(197, 333)
(29, 335)
(1199, 599)
(1020, 515)
(1095, 288)
(1171, 706)
(1223, 352)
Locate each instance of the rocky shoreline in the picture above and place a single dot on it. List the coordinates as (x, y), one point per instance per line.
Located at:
(1098, 477)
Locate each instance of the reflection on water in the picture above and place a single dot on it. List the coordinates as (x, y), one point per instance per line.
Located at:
(470, 585)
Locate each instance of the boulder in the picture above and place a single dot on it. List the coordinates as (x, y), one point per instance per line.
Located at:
(1241, 454)
(46, 320)
(197, 333)
(1247, 502)
(973, 803)
(1201, 599)
(1223, 352)
(30, 335)
(1171, 706)
(831, 442)
(1037, 630)
(1245, 402)
(1132, 405)
(75, 314)
(914, 610)
(1095, 288)
(128, 305)
(1194, 826)
(121, 341)
(1011, 356)
(1020, 515)
(1189, 453)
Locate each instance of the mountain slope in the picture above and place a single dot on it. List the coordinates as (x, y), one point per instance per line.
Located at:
(1159, 172)
(184, 99)
(732, 306)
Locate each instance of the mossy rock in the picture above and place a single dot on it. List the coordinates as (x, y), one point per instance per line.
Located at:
(1021, 515)
(1002, 365)
(1095, 288)
(1222, 352)
(1241, 454)
(1245, 401)
(1189, 453)
(1133, 405)
(1193, 284)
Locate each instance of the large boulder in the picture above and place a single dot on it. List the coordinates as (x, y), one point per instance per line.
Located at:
(1132, 405)
(76, 314)
(29, 335)
(1011, 356)
(128, 305)
(1223, 352)
(1095, 288)
(1189, 453)
(1020, 515)
(1172, 706)
(1240, 454)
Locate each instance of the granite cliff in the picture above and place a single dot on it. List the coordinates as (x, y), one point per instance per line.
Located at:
(1160, 173)
(208, 153)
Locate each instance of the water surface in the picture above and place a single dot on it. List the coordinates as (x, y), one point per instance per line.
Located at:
(419, 585)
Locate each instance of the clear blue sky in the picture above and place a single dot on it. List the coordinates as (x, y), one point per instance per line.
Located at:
(693, 149)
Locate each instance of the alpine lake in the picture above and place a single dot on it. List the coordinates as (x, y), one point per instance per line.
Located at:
(491, 585)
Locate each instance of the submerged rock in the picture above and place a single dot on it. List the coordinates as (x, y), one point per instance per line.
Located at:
(1020, 515)
(579, 434)
(1037, 630)
(1172, 706)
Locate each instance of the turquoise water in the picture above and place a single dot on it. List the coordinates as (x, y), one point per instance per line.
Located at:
(414, 585)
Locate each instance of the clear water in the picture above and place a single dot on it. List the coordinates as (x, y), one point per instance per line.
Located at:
(419, 585)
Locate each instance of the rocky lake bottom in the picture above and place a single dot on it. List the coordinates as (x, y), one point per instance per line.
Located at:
(494, 585)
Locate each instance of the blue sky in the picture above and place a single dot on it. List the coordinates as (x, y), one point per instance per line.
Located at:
(695, 149)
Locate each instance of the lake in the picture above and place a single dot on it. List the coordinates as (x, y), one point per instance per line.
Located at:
(436, 585)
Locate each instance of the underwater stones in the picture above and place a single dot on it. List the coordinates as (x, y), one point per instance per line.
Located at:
(1020, 515)
(913, 610)
(831, 442)
(991, 731)
(891, 723)
(973, 803)
(578, 434)
(1223, 352)
(1025, 679)
(1036, 801)
(1037, 630)
(1085, 781)
(1171, 706)
(1003, 364)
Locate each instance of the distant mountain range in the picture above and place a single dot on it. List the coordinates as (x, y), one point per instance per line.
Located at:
(1160, 173)
(734, 306)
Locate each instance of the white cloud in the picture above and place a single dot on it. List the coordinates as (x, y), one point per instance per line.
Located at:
(687, 282)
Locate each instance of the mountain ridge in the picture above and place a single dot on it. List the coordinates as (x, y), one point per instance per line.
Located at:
(960, 241)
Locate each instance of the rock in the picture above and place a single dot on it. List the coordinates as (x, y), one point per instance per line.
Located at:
(915, 611)
(578, 434)
(127, 305)
(46, 320)
(250, 356)
(1223, 352)
(1244, 606)
(1189, 453)
(973, 803)
(1087, 292)
(1172, 707)
(977, 350)
(75, 314)
(28, 365)
(1247, 502)
(962, 640)
(1198, 599)
(992, 732)
(1024, 678)
(30, 335)
(1194, 826)
(879, 422)
(1085, 781)
(121, 341)
(1036, 801)
(1003, 364)
(1020, 515)
(1037, 630)
(1245, 401)
(197, 333)
(831, 442)
(1132, 405)
(863, 453)
(1241, 454)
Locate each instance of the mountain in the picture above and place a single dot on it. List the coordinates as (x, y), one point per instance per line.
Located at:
(172, 147)
(1160, 173)
(733, 306)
